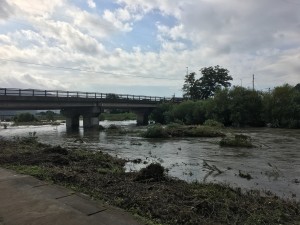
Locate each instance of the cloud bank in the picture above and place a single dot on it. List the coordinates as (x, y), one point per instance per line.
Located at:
(145, 47)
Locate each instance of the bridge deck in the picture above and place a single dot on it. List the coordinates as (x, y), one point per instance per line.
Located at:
(12, 98)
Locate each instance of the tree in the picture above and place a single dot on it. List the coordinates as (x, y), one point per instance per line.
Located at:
(246, 107)
(190, 87)
(213, 79)
(24, 117)
(285, 107)
(297, 87)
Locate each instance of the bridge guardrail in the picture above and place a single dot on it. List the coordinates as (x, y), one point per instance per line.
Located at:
(77, 94)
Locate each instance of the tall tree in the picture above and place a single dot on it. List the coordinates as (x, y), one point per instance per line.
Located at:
(190, 87)
(213, 78)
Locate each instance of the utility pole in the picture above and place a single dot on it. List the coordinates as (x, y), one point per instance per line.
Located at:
(241, 82)
(253, 82)
(187, 70)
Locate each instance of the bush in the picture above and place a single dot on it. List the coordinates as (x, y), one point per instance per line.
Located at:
(239, 140)
(153, 172)
(155, 131)
(24, 117)
(213, 123)
(203, 131)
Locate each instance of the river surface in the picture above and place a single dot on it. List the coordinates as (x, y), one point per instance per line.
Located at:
(274, 165)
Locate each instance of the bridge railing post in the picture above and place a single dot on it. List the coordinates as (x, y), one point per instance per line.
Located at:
(5, 91)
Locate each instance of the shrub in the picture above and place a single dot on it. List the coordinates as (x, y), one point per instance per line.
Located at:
(239, 140)
(153, 172)
(24, 117)
(203, 131)
(213, 123)
(155, 131)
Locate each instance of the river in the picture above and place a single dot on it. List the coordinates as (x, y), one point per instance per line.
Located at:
(274, 165)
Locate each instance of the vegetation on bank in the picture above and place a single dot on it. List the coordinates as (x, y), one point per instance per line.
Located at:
(177, 130)
(239, 140)
(149, 193)
(237, 107)
(117, 116)
(42, 118)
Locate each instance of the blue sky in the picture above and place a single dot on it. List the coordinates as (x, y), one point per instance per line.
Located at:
(143, 47)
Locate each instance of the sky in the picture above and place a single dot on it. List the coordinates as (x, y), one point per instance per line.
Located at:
(146, 47)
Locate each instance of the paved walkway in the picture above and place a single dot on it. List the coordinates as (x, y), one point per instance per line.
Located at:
(25, 200)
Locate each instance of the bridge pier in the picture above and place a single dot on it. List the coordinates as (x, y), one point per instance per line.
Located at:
(72, 122)
(90, 117)
(142, 117)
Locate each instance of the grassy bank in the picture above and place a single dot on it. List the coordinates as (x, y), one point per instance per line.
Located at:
(36, 123)
(117, 116)
(177, 130)
(150, 193)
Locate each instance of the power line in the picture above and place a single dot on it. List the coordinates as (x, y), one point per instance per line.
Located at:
(87, 71)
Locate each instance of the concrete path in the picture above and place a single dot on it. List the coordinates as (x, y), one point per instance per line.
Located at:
(25, 200)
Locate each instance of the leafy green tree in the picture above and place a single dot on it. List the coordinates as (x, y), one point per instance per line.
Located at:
(162, 114)
(190, 112)
(246, 107)
(24, 117)
(50, 115)
(213, 79)
(191, 87)
(297, 87)
(218, 108)
(285, 107)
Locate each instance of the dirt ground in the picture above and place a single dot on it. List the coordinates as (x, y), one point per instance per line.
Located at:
(150, 193)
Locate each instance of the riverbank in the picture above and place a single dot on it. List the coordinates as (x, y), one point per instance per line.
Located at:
(158, 198)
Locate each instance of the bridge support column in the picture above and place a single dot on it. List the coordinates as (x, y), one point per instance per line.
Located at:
(91, 121)
(142, 117)
(90, 117)
(72, 122)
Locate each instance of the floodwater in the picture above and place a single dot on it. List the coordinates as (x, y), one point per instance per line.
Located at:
(274, 165)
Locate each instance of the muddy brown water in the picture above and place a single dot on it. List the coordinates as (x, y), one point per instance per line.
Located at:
(274, 165)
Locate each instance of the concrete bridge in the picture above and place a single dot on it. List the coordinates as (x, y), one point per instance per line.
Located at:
(74, 104)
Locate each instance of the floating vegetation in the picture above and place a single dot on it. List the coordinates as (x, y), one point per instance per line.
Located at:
(177, 130)
(238, 140)
(245, 175)
(155, 131)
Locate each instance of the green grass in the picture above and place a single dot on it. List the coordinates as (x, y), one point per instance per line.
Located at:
(177, 130)
(237, 141)
(117, 116)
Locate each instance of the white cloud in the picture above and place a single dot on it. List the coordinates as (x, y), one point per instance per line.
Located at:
(41, 8)
(117, 20)
(91, 4)
(246, 37)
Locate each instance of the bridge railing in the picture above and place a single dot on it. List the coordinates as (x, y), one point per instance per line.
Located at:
(77, 94)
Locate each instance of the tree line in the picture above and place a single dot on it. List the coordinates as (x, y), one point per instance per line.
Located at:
(211, 98)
